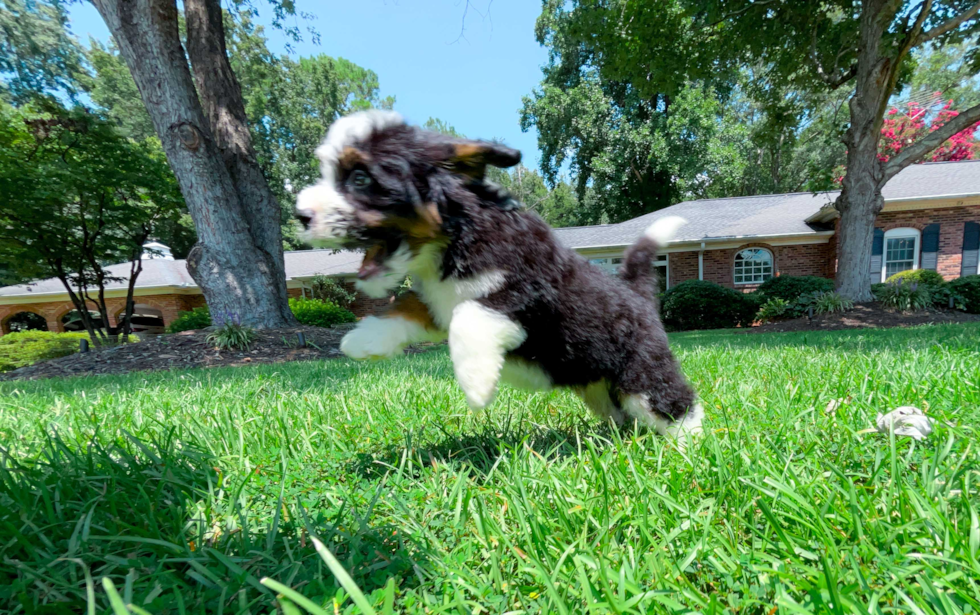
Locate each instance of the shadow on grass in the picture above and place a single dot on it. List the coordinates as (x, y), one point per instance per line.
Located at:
(482, 450)
(161, 521)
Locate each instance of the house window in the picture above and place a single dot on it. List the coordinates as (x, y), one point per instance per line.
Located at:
(612, 265)
(901, 251)
(753, 266)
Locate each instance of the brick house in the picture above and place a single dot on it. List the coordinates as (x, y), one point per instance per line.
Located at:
(931, 220)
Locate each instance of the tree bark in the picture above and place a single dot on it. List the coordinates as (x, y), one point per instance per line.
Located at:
(860, 199)
(221, 96)
(236, 275)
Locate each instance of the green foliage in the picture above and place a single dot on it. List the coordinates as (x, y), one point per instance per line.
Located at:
(331, 290)
(968, 287)
(790, 288)
(827, 302)
(168, 469)
(198, 318)
(919, 276)
(232, 336)
(29, 347)
(290, 104)
(903, 296)
(316, 313)
(102, 196)
(697, 304)
(38, 54)
(772, 309)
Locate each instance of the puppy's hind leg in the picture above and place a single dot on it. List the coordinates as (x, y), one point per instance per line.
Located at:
(596, 396)
(479, 339)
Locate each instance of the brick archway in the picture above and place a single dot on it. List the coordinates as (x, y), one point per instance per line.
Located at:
(5, 321)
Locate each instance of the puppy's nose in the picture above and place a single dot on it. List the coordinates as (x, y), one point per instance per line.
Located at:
(305, 217)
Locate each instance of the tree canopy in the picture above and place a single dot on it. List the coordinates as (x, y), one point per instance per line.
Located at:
(77, 197)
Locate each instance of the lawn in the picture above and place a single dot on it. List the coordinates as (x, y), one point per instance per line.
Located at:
(186, 489)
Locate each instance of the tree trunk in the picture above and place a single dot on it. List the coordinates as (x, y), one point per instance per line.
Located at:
(221, 96)
(236, 275)
(860, 199)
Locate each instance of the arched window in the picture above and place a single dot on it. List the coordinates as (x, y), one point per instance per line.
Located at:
(901, 251)
(753, 266)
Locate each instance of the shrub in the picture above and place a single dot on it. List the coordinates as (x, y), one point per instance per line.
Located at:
(330, 290)
(823, 303)
(906, 297)
(29, 347)
(319, 313)
(920, 276)
(232, 336)
(697, 304)
(790, 288)
(198, 318)
(772, 309)
(968, 288)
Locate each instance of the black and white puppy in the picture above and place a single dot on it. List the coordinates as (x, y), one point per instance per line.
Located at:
(491, 275)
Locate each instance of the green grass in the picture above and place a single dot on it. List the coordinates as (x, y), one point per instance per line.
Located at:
(186, 489)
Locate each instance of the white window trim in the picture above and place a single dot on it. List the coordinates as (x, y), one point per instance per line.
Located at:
(772, 261)
(663, 260)
(896, 233)
(605, 263)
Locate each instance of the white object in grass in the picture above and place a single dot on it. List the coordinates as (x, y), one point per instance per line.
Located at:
(906, 421)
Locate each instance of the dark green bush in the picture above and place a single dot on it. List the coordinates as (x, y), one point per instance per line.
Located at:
(697, 304)
(920, 276)
(331, 290)
(29, 347)
(198, 318)
(319, 313)
(790, 288)
(968, 287)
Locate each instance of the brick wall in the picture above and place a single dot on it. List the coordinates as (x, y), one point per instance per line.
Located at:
(719, 265)
(53, 312)
(951, 222)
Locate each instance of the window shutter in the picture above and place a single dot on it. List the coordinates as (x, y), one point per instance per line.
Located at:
(930, 247)
(877, 247)
(971, 248)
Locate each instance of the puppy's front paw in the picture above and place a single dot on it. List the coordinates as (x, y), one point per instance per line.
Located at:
(371, 340)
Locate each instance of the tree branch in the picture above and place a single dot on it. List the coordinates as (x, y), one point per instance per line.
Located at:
(833, 81)
(948, 25)
(930, 142)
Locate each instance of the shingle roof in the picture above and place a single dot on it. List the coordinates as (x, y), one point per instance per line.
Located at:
(708, 219)
(155, 273)
(775, 214)
(173, 273)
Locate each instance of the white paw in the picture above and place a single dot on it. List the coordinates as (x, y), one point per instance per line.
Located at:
(372, 340)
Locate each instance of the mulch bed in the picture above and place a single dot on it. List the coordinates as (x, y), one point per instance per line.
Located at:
(190, 350)
(866, 315)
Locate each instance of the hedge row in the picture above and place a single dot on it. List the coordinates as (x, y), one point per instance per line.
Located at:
(699, 304)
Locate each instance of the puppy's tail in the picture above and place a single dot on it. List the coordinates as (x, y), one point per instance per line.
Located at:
(637, 268)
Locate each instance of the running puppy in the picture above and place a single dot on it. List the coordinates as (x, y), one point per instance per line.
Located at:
(490, 275)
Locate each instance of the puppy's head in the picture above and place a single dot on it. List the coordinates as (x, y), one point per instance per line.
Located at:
(383, 185)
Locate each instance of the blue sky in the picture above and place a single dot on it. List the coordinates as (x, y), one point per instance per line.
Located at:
(475, 83)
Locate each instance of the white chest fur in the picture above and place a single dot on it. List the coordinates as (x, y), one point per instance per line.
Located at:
(442, 296)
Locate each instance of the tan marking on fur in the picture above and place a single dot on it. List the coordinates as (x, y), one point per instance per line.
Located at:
(410, 307)
(350, 157)
(467, 159)
(430, 213)
(371, 218)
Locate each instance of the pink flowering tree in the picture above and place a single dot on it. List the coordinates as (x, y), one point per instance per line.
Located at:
(902, 128)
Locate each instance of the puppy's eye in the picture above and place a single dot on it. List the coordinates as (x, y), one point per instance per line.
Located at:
(359, 179)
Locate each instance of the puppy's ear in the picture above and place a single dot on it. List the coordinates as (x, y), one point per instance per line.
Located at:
(472, 157)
